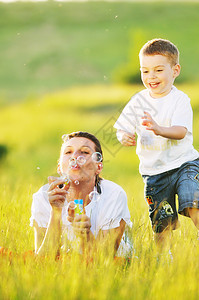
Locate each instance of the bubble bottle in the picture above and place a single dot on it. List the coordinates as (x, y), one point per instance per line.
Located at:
(78, 206)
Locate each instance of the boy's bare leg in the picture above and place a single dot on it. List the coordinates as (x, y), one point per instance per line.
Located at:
(163, 239)
(194, 215)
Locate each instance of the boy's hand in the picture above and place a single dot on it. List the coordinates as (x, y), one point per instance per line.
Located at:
(150, 124)
(172, 132)
(128, 139)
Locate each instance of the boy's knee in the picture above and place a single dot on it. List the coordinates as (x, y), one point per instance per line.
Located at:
(194, 215)
(162, 217)
(160, 226)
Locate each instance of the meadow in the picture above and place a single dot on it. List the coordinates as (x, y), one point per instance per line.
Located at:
(37, 108)
(45, 47)
(33, 133)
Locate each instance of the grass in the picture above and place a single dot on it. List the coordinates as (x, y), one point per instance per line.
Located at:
(32, 131)
(50, 46)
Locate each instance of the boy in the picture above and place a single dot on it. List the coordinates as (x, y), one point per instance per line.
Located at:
(161, 116)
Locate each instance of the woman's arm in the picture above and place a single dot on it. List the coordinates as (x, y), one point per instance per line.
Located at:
(48, 242)
(112, 236)
(51, 241)
(106, 240)
(39, 234)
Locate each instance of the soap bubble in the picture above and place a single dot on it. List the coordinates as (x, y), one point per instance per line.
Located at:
(66, 181)
(94, 196)
(81, 160)
(76, 182)
(97, 157)
(64, 137)
(196, 199)
(72, 162)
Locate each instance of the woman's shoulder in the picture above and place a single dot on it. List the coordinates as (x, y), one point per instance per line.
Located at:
(111, 186)
(42, 189)
(40, 209)
(41, 194)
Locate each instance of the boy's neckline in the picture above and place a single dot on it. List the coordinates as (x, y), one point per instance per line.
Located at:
(173, 88)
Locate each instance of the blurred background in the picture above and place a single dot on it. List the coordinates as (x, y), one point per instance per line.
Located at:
(50, 46)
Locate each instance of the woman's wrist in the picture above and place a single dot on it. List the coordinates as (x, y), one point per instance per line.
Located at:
(90, 236)
(56, 212)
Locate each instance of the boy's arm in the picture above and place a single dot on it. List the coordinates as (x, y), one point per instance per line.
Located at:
(172, 132)
(125, 138)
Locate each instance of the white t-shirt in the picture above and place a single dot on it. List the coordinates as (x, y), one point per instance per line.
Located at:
(158, 154)
(105, 213)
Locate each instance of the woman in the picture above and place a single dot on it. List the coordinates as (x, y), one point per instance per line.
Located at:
(105, 210)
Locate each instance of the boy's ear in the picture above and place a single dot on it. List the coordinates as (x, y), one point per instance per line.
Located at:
(176, 70)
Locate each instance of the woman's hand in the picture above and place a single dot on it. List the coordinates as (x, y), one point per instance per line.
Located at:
(81, 223)
(57, 195)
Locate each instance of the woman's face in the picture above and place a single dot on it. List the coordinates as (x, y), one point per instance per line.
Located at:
(71, 164)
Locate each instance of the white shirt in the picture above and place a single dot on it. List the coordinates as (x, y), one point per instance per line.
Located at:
(105, 213)
(158, 154)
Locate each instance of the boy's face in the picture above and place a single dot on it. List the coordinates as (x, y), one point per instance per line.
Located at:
(157, 74)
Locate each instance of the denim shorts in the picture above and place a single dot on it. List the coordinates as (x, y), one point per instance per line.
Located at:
(161, 190)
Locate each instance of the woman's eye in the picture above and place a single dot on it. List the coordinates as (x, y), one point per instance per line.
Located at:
(68, 152)
(159, 70)
(85, 152)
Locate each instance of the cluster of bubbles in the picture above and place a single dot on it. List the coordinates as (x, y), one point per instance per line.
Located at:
(81, 160)
(94, 196)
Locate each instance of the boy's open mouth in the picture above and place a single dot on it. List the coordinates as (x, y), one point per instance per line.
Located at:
(154, 85)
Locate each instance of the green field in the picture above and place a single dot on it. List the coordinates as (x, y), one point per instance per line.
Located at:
(50, 46)
(49, 97)
(32, 131)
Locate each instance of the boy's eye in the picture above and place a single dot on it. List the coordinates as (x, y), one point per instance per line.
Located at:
(159, 70)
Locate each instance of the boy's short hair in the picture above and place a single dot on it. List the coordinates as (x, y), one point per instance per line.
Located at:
(161, 47)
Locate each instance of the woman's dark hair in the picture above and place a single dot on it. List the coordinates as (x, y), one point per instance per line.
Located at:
(98, 148)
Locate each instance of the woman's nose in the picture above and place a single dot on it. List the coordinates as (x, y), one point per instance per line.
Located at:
(75, 154)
